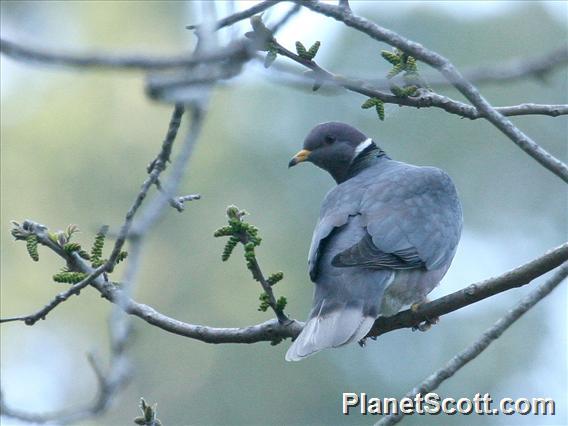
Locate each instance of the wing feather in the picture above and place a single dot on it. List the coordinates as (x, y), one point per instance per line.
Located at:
(412, 216)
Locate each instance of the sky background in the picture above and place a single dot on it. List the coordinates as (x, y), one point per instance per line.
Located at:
(74, 149)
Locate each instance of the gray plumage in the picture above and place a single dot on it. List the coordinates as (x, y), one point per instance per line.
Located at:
(386, 236)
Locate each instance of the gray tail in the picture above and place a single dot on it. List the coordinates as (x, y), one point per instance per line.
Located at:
(334, 328)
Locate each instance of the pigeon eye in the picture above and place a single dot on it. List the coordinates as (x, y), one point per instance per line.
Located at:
(329, 140)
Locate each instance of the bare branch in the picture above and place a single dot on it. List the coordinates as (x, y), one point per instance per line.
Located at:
(155, 208)
(60, 298)
(516, 69)
(450, 72)
(20, 52)
(473, 293)
(157, 166)
(240, 16)
(480, 344)
(284, 20)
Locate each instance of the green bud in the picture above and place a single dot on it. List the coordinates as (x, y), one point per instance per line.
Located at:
(84, 254)
(236, 225)
(98, 262)
(275, 278)
(403, 92)
(31, 246)
(380, 108)
(391, 57)
(98, 244)
(302, 52)
(249, 255)
(121, 256)
(397, 91)
(148, 413)
(233, 212)
(312, 52)
(397, 69)
(229, 247)
(281, 303)
(264, 305)
(411, 64)
(69, 277)
(225, 231)
(369, 103)
(71, 247)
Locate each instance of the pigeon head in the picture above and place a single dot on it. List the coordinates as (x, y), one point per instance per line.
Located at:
(334, 147)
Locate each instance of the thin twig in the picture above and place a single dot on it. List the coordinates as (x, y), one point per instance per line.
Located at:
(479, 345)
(21, 52)
(240, 16)
(450, 72)
(284, 20)
(538, 67)
(155, 208)
(60, 298)
(259, 276)
(157, 166)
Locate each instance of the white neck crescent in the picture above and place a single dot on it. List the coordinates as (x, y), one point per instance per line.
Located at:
(362, 146)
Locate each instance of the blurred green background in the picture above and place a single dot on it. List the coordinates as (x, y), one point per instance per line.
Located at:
(74, 149)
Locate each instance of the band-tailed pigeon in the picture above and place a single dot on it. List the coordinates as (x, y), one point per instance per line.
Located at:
(386, 236)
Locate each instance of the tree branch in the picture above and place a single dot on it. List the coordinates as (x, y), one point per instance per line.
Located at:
(17, 51)
(240, 16)
(284, 20)
(273, 330)
(424, 99)
(473, 293)
(516, 69)
(479, 345)
(450, 72)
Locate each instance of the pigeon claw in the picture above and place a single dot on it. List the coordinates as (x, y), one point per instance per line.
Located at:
(428, 322)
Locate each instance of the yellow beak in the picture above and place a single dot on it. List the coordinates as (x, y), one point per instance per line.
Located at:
(299, 157)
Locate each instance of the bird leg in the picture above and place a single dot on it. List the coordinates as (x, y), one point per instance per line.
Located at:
(429, 322)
